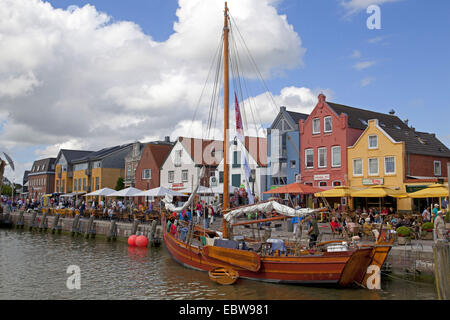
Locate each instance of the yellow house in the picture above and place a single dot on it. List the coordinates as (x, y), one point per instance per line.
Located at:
(64, 169)
(100, 169)
(377, 159)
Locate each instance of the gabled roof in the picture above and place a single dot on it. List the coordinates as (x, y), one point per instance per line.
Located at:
(257, 147)
(359, 118)
(296, 116)
(42, 165)
(196, 149)
(101, 154)
(70, 155)
(419, 142)
(159, 152)
(292, 117)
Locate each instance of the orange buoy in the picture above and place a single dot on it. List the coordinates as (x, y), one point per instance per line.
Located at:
(141, 241)
(132, 240)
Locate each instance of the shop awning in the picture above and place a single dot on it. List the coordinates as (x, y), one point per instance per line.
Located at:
(432, 191)
(336, 192)
(378, 192)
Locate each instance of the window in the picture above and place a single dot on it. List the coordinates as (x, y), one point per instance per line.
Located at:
(322, 184)
(236, 159)
(373, 142)
(336, 183)
(357, 167)
(309, 158)
(437, 168)
(146, 174)
(322, 155)
(309, 184)
(336, 156)
(389, 165)
(129, 171)
(79, 184)
(184, 175)
(75, 184)
(171, 176)
(62, 186)
(373, 167)
(236, 180)
(293, 162)
(57, 186)
(220, 176)
(316, 126)
(84, 183)
(178, 154)
(97, 164)
(327, 124)
(97, 183)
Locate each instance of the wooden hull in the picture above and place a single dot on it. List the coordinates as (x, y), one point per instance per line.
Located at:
(327, 268)
(225, 276)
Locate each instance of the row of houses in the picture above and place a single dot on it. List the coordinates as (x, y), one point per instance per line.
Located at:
(332, 146)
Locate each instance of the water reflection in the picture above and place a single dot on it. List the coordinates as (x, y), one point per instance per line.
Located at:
(34, 265)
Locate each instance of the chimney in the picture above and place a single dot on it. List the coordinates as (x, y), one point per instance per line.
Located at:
(282, 108)
(406, 121)
(392, 112)
(322, 97)
(166, 139)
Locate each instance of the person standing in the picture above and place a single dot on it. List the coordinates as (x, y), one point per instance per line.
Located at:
(205, 216)
(439, 226)
(198, 211)
(313, 231)
(426, 215)
(435, 212)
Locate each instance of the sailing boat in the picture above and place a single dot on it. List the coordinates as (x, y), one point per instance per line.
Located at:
(342, 267)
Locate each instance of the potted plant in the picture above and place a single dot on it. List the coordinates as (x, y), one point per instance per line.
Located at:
(427, 231)
(403, 235)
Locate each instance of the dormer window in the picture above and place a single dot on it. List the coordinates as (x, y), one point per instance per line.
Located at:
(364, 122)
(316, 126)
(327, 124)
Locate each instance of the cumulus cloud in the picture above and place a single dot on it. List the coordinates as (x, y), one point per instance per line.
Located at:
(74, 78)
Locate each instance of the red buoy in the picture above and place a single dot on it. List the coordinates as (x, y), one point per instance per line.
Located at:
(141, 241)
(132, 240)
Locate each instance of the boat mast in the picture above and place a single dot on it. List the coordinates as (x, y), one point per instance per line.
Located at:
(226, 94)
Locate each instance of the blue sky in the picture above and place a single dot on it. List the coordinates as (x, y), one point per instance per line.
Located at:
(411, 70)
(405, 66)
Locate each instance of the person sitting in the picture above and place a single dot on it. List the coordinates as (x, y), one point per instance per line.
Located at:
(378, 219)
(335, 226)
(384, 211)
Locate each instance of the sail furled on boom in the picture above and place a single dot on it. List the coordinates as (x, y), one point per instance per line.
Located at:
(270, 206)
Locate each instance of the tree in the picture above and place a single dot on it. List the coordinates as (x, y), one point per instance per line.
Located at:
(120, 185)
(6, 190)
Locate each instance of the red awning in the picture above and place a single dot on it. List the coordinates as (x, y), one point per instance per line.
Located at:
(295, 188)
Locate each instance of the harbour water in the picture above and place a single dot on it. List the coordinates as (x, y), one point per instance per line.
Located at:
(34, 266)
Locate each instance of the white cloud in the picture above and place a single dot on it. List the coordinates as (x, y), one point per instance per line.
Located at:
(366, 81)
(74, 78)
(354, 6)
(363, 65)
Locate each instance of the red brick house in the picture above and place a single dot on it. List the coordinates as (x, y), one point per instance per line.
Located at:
(325, 136)
(41, 178)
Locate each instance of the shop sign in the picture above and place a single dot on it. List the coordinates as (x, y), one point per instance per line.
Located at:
(371, 181)
(321, 177)
(177, 185)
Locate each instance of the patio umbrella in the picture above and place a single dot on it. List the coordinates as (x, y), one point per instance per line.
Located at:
(159, 192)
(295, 188)
(101, 192)
(128, 192)
(432, 191)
